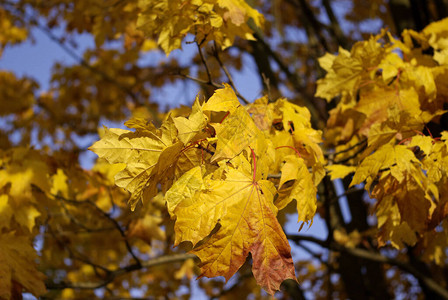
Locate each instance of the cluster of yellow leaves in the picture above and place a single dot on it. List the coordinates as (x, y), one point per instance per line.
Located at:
(75, 100)
(16, 103)
(16, 95)
(213, 167)
(137, 24)
(106, 20)
(38, 191)
(9, 32)
(209, 20)
(388, 91)
(20, 171)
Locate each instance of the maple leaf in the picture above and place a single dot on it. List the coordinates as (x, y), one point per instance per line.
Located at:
(344, 75)
(10, 33)
(217, 20)
(234, 134)
(261, 113)
(245, 214)
(398, 158)
(340, 171)
(189, 128)
(17, 264)
(184, 188)
(391, 227)
(26, 169)
(222, 100)
(302, 190)
(147, 153)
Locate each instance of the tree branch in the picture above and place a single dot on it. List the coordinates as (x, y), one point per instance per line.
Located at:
(316, 119)
(161, 260)
(82, 61)
(229, 77)
(204, 62)
(372, 256)
(346, 150)
(335, 28)
(106, 215)
(200, 81)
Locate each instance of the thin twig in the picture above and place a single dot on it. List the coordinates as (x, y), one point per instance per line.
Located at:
(229, 77)
(351, 156)
(204, 62)
(200, 81)
(346, 149)
(292, 77)
(107, 215)
(161, 260)
(75, 256)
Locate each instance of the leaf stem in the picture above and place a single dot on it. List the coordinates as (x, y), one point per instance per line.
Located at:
(225, 116)
(404, 140)
(255, 163)
(290, 147)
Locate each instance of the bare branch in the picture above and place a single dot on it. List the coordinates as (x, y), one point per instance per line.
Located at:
(347, 149)
(161, 260)
(204, 62)
(77, 256)
(352, 156)
(335, 28)
(293, 79)
(200, 81)
(229, 77)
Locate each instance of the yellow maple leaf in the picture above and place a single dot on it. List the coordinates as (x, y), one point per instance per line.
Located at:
(189, 127)
(222, 100)
(303, 189)
(27, 168)
(293, 117)
(344, 75)
(147, 153)
(436, 33)
(398, 158)
(234, 134)
(391, 227)
(184, 188)
(262, 113)
(17, 264)
(242, 208)
(217, 20)
(340, 171)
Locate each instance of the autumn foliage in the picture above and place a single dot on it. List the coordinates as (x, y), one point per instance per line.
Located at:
(206, 190)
